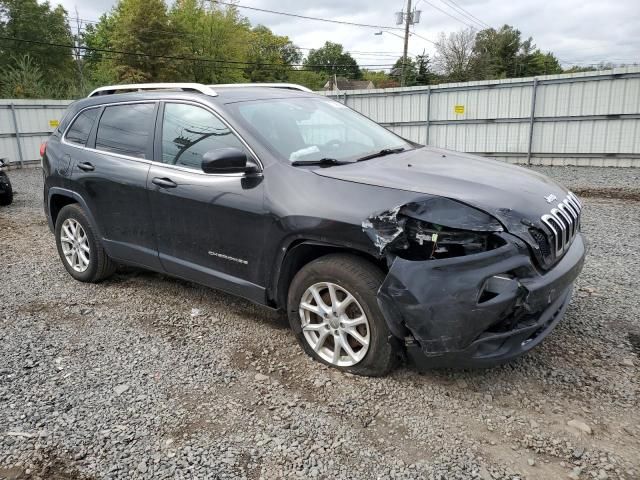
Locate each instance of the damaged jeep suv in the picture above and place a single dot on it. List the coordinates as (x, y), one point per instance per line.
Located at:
(377, 248)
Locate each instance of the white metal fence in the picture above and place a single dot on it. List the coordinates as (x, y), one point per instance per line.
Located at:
(25, 124)
(590, 118)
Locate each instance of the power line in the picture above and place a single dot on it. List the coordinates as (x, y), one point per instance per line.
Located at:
(306, 17)
(380, 54)
(450, 15)
(193, 59)
(456, 6)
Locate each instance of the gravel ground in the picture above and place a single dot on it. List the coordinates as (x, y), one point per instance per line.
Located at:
(144, 376)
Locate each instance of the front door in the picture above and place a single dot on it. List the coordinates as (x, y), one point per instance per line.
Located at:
(209, 228)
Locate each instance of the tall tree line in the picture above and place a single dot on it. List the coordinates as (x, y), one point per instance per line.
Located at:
(45, 52)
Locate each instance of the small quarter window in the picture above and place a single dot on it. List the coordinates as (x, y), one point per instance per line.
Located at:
(79, 131)
(188, 132)
(126, 129)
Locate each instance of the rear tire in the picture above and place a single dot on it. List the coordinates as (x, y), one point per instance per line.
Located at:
(333, 311)
(79, 247)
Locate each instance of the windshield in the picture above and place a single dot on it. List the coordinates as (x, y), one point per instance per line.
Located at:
(308, 129)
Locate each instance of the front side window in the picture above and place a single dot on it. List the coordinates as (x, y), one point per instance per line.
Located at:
(307, 129)
(126, 129)
(79, 131)
(188, 132)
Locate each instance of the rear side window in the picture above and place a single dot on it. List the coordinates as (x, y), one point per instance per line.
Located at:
(79, 131)
(125, 129)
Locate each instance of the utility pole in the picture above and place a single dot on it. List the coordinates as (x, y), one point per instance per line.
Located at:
(403, 79)
(409, 18)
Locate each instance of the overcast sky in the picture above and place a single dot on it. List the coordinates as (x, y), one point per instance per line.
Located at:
(577, 31)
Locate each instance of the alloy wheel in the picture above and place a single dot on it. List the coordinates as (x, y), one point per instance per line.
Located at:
(334, 324)
(75, 245)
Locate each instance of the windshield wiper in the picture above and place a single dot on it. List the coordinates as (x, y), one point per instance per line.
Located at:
(381, 153)
(327, 162)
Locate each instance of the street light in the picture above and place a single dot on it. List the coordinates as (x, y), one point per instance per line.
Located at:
(390, 33)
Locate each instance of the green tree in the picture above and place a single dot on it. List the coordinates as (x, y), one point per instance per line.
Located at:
(425, 74)
(142, 27)
(270, 56)
(504, 54)
(37, 24)
(313, 80)
(209, 32)
(410, 71)
(496, 52)
(22, 78)
(539, 63)
(331, 59)
(380, 78)
(99, 66)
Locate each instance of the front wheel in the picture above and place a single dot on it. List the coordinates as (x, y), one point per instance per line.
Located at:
(333, 311)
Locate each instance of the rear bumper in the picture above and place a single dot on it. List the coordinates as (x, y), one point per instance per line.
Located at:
(480, 310)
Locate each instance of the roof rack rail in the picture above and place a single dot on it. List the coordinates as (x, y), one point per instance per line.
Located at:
(291, 86)
(138, 87)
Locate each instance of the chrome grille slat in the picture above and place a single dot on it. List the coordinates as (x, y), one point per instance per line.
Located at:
(563, 222)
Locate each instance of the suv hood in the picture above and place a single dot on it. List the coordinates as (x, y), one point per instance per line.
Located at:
(513, 195)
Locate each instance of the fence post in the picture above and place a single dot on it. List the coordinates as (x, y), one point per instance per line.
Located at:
(17, 132)
(428, 112)
(532, 118)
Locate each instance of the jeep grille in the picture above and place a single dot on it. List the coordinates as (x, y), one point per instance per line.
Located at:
(564, 223)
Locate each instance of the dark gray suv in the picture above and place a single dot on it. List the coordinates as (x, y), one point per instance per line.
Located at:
(377, 248)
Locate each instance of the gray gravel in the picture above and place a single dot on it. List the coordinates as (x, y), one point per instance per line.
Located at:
(145, 376)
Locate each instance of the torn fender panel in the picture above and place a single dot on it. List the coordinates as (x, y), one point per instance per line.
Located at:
(437, 300)
(383, 228)
(387, 227)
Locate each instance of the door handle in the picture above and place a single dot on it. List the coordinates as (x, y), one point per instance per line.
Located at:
(164, 182)
(86, 166)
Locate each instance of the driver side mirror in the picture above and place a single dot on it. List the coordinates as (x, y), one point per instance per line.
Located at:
(226, 160)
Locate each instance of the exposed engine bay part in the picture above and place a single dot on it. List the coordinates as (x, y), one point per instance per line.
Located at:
(431, 228)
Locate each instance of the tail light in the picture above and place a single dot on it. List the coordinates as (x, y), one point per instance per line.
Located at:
(43, 148)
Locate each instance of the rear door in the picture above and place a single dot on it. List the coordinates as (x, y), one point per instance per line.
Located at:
(209, 228)
(110, 173)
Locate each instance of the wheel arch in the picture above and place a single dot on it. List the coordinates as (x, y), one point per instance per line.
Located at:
(300, 253)
(58, 198)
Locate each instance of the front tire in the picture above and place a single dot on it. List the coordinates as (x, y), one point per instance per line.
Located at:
(334, 314)
(79, 247)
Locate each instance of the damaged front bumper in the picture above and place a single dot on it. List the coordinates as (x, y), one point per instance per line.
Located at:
(478, 310)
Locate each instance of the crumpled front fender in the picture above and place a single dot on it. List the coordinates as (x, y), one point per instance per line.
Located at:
(436, 301)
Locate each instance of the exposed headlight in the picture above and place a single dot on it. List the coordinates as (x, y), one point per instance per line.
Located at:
(429, 241)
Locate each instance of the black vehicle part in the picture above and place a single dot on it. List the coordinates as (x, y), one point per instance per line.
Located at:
(6, 190)
(447, 304)
(362, 278)
(432, 221)
(100, 265)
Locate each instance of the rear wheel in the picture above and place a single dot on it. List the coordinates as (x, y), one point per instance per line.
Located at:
(334, 313)
(80, 248)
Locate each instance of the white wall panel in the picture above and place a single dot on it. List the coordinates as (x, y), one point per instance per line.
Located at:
(585, 114)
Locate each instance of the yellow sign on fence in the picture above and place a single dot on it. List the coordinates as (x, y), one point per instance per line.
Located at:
(459, 109)
(54, 123)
